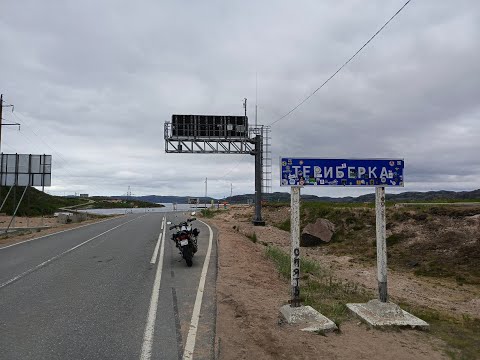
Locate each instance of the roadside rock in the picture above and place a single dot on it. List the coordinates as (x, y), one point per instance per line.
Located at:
(317, 233)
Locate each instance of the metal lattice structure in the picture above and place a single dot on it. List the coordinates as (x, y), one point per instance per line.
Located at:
(213, 134)
(267, 160)
(209, 143)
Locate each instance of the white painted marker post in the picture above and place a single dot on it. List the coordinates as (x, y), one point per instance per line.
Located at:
(295, 313)
(381, 244)
(295, 244)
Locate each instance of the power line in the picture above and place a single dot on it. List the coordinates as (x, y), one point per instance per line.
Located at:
(232, 169)
(324, 83)
(63, 162)
(341, 67)
(41, 139)
(8, 146)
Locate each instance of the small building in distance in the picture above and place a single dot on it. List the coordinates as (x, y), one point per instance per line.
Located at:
(84, 195)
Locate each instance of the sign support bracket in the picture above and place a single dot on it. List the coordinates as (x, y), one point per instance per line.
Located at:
(16, 209)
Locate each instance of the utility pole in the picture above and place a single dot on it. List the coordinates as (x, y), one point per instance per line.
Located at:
(1, 119)
(231, 191)
(1, 113)
(256, 99)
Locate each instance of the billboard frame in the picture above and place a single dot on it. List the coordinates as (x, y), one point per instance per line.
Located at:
(26, 170)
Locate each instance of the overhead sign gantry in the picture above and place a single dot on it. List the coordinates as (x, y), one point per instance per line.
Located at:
(218, 134)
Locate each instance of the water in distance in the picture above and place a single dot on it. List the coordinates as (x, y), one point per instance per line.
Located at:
(168, 207)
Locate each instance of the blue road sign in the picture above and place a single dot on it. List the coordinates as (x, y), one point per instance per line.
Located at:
(341, 172)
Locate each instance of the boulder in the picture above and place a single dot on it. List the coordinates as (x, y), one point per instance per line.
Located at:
(317, 233)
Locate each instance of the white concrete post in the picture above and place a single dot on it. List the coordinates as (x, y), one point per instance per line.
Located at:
(295, 244)
(381, 243)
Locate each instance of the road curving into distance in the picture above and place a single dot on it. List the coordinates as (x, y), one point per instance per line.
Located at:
(112, 290)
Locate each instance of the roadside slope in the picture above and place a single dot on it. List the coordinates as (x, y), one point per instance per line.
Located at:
(249, 294)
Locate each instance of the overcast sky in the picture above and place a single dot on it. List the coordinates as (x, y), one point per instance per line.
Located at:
(94, 81)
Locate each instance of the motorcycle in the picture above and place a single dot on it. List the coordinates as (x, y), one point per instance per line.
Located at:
(186, 239)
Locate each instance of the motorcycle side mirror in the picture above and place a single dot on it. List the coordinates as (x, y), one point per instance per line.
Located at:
(169, 223)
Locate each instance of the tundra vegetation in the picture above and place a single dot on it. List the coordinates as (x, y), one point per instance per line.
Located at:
(426, 241)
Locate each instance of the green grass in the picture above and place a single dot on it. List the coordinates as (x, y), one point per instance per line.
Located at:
(275, 205)
(434, 269)
(318, 288)
(285, 225)
(462, 336)
(437, 201)
(207, 213)
(35, 202)
(330, 296)
(396, 238)
(341, 214)
(449, 253)
(252, 237)
(281, 260)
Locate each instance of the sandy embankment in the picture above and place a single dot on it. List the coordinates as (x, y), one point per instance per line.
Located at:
(250, 293)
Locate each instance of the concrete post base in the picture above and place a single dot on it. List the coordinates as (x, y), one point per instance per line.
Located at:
(308, 316)
(377, 313)
(258, 223)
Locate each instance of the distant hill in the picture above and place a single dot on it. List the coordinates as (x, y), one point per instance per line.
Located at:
(157, 199)
(35, 202)
(102, 202)
(428, 196)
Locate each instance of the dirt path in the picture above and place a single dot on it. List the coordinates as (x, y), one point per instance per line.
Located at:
(250, 293)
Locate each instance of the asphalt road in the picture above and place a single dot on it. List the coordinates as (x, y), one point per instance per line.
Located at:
(98, 292)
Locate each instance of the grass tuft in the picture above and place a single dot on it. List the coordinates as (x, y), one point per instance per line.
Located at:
(252, 237)
(207, 213)
(462, 336)
(319, 289)
(284, 225)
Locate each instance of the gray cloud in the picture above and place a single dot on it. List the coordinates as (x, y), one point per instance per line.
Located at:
(93, 83)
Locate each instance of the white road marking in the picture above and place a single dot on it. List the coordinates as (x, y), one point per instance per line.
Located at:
(55, 233)
(155, 252)
(18, 277)
(152, 311)
(192, 332)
